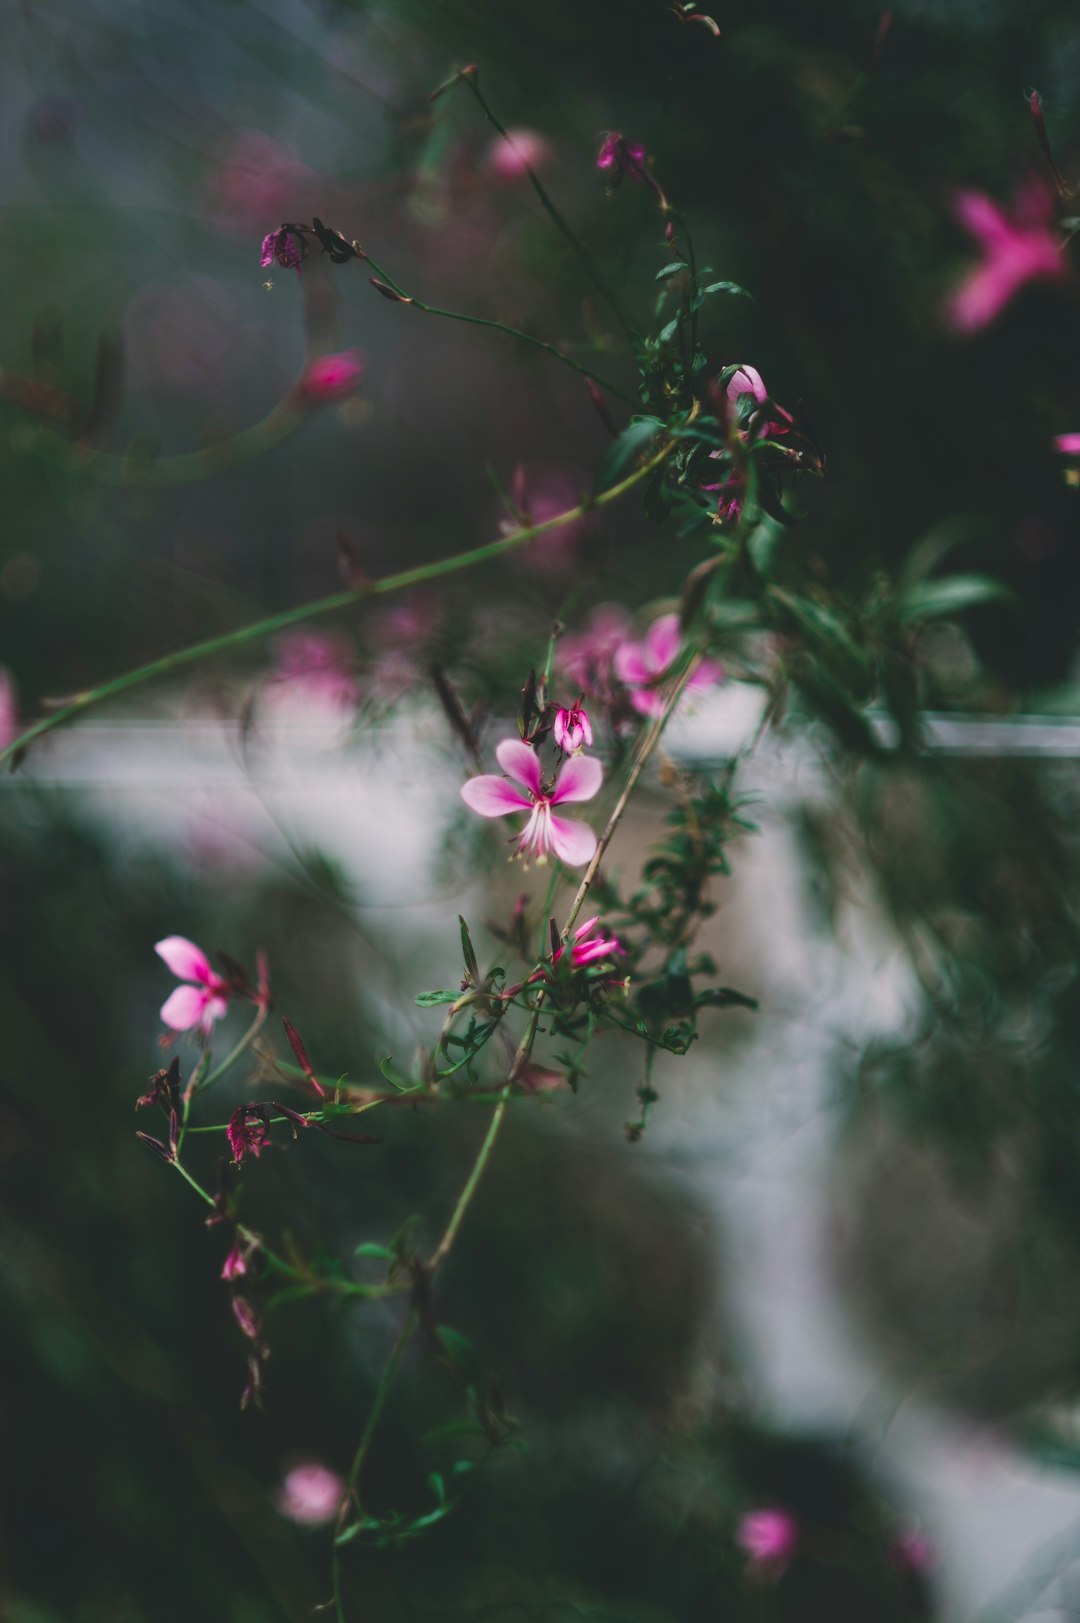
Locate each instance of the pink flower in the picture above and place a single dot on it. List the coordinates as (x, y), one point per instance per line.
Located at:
(315, 669)
(310, 1495)
(747, 380)
(332, 377)
(769, 1538)
(541, 491)
(284, 247)
(9, 713)
(642, 666)
(537, 1079)
(248, 1131)
(1067, 444)
(588, 658)
(235, 1264)
(572, 730)
(1017, 248)
(509, 159)
(578, 779)
(200, 1003)
(618, 156)
(583, 951)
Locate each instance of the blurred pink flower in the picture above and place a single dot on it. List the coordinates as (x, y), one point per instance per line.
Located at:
(9, 713)
(511, 159)
(572, 730)
(537, 1079)
(1017, 248)
(331, 377)
(310, 1495)
(257, 180)
(1067, 444)
(587, 657)
(769, 1538)
(193, 1005)
(541, 491)
(315, 669)
(912, 1552)
(235, 1264)
(642, 666)
(578, 779)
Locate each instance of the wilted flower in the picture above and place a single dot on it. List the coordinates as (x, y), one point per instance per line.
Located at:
(642, 666)
(310, 1495)
(572, 730)
(248, 1131)
(618, 156)
(509, 158)
(331, 377)
(200, 1003)
(769, 1538)
(1017, 248)
(284, 247)
(578, 779)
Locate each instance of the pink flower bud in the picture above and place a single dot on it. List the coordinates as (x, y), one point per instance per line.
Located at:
(310, 1495)
(573, 730)
(235, 1264)
(331, 377)
(769, 1538)
(510, 159)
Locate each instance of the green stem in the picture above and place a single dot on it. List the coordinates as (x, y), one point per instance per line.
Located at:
(258, 630)
(190, 466)
(378, 1404)
(202, 1083)
(464, 1200)
(556, 218)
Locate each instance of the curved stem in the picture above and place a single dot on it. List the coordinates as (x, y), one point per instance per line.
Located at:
(258, 630)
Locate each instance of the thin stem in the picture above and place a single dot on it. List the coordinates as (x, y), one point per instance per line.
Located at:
(378, 1403)
(503, 327)
(201, 1084)
(464, 1200)
(258, 630)
(556, 218)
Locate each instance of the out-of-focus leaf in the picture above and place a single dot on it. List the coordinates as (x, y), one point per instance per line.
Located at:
(937, 599)
(620, 454)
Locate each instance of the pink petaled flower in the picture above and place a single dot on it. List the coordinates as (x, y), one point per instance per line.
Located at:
(9, 713)
(747, 380)
(541, 491)
(572, 730)
(235, 1264)
(1017, 248)
(332, 377)
(284, 247)
(583, 951)
(310, 1495)
(200, 1003)
(511, 157)
(642, 666)
(248, 1131)
(317, 669)
(618, 157)
(588, 658)
(769, 1538)
(578, 779)
(1067, 444)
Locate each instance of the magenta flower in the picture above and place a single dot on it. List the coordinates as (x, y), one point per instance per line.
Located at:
(248, 1131)
(1017, 248)
(235, 1264)
(509, 158)
(578, 779)
(585, 951)
(332, 377)
(284, 247)
(588, 658)
(618, 157)
(769, 1538)
(310, 1495)
(1067, 444)
(203, 1001)
(747, 380)
(643, 666)
(573, 730)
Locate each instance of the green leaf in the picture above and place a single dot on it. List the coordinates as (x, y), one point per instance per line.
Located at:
(428, 1000)
(369, 1248)
(670, 270)
(726, 287)
(666, 334)
(455, 1428)
(633, 439)
(402, 1084)
(459, 1349)
(951, 594)
(467, 949)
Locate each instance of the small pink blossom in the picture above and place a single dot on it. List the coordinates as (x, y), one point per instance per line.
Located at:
(588, 656)
(1017, 248)
(235, 1264)
(310, 1495)
(769, 1538)
(572, 730)
(315, 669)
(1067, 444)
(510, 158)
(256, 179)
(541, 491)
(643, 666)
(913, 1553)
(618, 157)
(284, 247)
(772, 423)
(332, 377)
(9, 712)
(204, 999)
(589, 951)
(578, 778)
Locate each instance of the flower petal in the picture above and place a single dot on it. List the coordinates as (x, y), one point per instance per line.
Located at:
(662, 642)
(519, 762)
(493, 797)
(579, 779)
(187, 961)
(574, 843)
(185, 1008)
(630, 666)
(583, 929)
